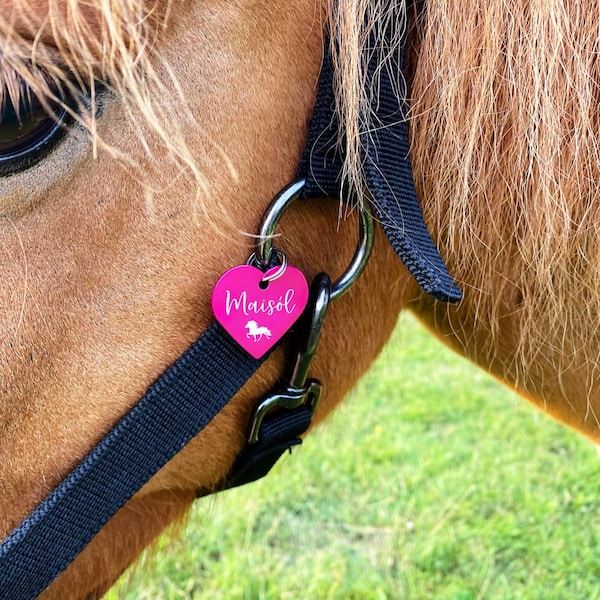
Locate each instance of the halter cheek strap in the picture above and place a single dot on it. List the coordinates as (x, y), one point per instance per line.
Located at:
(192, 391)
(386, 164)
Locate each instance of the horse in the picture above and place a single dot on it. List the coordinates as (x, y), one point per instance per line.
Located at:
(257, 332)
(181, 120)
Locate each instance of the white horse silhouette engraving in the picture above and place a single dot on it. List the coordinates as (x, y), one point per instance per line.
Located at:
(257, 332)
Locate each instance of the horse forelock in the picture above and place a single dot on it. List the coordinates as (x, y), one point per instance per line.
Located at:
(78, 41)
(83, 48)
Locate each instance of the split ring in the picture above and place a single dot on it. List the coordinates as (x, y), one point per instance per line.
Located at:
(276, 274)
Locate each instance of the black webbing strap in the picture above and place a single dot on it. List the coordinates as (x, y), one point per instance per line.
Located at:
(179, 405)
(278, 434)
(386, 164)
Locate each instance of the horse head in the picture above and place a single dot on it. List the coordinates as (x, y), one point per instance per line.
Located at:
(180, 121)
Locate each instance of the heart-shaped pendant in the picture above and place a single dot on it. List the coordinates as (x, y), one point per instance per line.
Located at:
(256, 311)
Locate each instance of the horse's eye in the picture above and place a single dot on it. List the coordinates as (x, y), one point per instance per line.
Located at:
(28, 131)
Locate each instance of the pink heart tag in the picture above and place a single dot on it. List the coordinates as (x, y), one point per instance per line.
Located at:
(254, 317)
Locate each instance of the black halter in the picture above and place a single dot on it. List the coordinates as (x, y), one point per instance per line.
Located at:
(193, 390)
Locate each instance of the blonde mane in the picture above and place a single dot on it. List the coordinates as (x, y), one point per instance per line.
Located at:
(504, 116)
(356, 27)
(507, 158)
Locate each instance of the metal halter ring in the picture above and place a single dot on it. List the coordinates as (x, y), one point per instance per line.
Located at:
(268, 226)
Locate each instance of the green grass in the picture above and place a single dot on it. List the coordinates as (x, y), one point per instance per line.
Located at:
(432, 481)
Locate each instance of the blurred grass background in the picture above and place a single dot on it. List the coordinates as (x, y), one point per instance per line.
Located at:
(431, 481)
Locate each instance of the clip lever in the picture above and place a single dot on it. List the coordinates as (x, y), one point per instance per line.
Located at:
(301, 390)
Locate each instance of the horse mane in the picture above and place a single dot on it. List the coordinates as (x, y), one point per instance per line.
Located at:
(506, 156)
(504, 116)
(355, 28)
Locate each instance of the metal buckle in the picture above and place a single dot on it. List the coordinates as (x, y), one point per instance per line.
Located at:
(302, 390)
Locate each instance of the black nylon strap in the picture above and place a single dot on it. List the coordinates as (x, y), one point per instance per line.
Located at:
(386, 164)
(179, 405)
(278, 433)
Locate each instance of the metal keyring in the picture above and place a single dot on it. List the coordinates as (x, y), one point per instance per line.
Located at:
(279, 272)
(272, 216)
